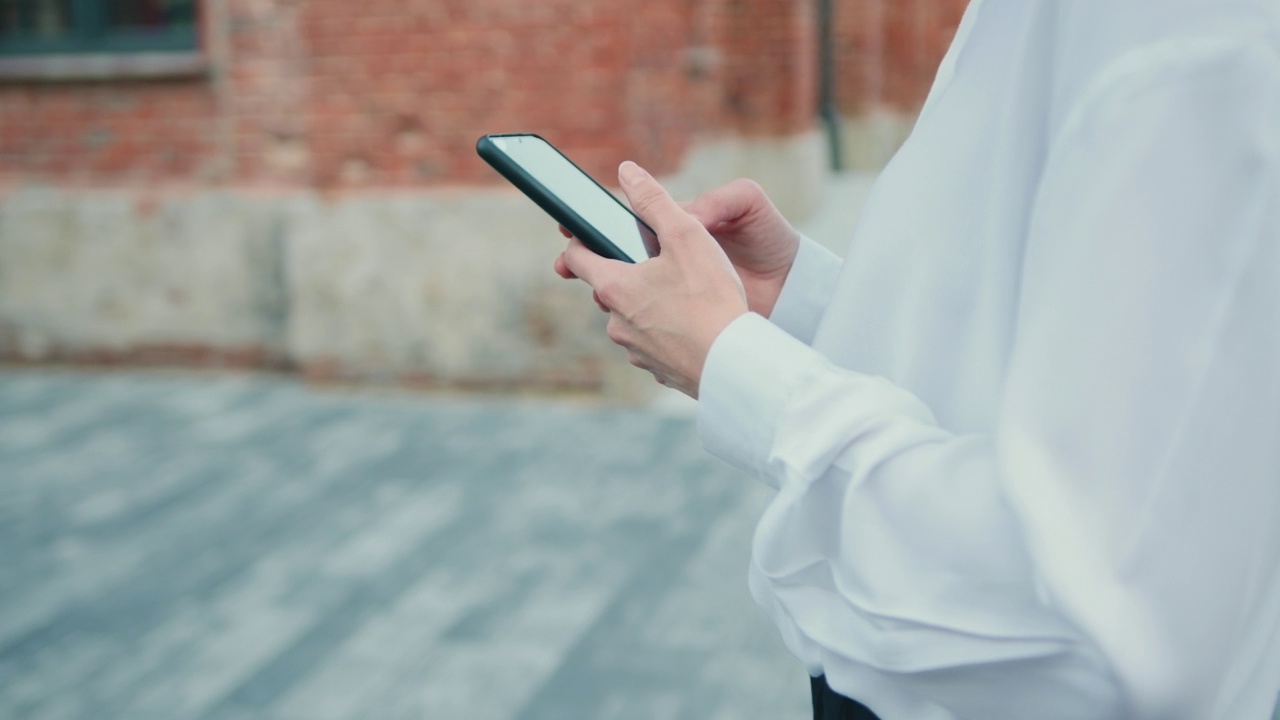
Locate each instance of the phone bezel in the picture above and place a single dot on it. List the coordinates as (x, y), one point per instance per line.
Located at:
(549, 201)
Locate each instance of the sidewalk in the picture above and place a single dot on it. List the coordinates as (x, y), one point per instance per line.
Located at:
(188, 546)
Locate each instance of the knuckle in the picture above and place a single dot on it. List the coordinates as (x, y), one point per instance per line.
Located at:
(687, 232)
(747, 189)
(647, 199)
(700, 211)
(749, 186)
(605, 294)
(615, 331)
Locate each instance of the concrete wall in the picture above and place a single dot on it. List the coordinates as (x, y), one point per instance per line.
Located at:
(448, 287)
(103, 274)
(440, 286)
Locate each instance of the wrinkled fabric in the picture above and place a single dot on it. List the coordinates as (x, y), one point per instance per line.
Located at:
(1025, 439)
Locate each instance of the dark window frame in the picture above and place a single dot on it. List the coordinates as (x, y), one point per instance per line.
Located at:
(90, 34)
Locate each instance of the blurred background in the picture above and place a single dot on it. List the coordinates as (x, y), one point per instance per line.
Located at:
(295, 419)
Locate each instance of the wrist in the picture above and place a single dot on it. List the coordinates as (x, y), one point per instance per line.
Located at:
(765, 293)
(713, 332)
(778, 279)
(764, 308)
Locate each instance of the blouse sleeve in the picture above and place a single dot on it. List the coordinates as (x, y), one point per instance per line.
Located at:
(1110, 549)
(807, 291)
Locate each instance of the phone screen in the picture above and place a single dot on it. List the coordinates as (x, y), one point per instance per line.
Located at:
(577, 190)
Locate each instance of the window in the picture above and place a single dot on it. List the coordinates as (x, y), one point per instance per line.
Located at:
(62, 27)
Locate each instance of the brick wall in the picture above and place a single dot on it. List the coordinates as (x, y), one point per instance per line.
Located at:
(332, 93)
(86, 134)
(887, 51)
(392, 93)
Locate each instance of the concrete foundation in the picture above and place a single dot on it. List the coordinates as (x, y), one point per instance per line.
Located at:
(107, 273)
(449, 287)
(869, 141)
(792, 170)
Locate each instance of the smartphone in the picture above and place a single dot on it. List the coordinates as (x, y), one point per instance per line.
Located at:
(570, 195)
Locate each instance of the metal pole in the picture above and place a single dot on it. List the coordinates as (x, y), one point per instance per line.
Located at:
(827, 108)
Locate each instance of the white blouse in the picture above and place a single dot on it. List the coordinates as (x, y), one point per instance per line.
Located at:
(1026, 438)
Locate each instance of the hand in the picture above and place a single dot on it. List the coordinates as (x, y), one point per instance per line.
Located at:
(668, 310)
(757, 239)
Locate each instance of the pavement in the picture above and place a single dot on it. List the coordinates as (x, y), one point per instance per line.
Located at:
(201, 546)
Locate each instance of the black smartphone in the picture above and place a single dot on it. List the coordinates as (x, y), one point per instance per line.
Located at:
(570, 195)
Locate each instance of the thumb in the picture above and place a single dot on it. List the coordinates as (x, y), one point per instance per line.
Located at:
(726, 204)
(651, 201)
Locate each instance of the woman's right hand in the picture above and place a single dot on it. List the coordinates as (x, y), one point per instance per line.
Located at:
(759, 241)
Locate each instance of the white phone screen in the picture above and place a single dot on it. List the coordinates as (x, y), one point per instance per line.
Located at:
(577, 190)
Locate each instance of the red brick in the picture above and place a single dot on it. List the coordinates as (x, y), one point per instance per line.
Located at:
(605, 80)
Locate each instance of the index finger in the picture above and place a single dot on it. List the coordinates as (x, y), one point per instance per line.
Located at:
(651, 202)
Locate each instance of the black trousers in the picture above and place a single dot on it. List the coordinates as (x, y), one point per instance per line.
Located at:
(830, 705)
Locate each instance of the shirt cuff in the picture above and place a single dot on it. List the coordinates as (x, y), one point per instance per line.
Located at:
(807, 290)
(750, 373)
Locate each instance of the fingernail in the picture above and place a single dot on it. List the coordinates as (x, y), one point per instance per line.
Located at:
(630, 173)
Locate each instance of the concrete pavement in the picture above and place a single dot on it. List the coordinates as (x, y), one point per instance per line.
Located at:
(217, 547)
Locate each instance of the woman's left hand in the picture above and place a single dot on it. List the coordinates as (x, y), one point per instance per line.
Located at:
(668, 310)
